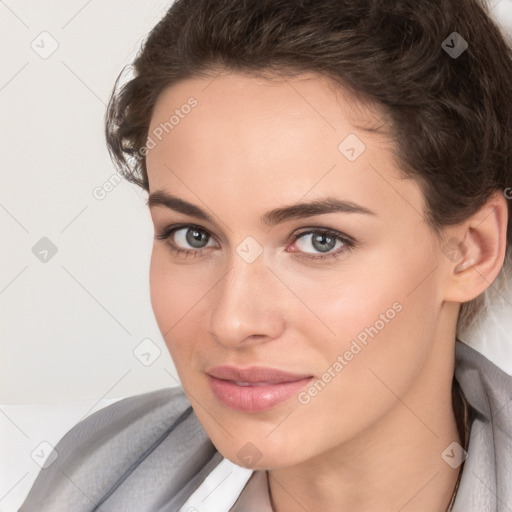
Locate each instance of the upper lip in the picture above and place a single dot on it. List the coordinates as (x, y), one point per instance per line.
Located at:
(254, 374)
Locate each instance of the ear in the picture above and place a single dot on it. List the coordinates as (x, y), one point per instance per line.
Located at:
(475, 250)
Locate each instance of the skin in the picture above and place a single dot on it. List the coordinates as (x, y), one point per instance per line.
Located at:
(372, 438)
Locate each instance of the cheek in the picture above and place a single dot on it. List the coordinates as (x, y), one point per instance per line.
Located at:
(382, 311)
(169, 297)
(384, 324)
(176, 293)
(161, 286)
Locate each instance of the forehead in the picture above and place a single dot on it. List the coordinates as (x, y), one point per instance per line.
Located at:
(280, 138)
(307, 97)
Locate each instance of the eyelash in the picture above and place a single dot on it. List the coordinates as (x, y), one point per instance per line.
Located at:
(348, 243)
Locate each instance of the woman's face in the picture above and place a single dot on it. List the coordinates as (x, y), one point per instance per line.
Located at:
(346, 299)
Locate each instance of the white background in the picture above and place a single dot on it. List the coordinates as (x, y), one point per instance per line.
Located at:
(70, 325)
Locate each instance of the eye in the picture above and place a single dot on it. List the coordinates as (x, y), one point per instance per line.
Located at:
(324, 241)
(187, 240)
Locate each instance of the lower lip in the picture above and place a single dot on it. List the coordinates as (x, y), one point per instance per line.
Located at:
(254, 398)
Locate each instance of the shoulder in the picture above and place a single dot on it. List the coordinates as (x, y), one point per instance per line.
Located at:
(132, 455)
(486, 386)
(487, 467)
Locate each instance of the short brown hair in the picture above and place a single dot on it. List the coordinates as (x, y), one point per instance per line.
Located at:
(451, 118)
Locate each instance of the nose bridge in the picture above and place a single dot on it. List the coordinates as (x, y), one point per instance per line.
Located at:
(246, 303)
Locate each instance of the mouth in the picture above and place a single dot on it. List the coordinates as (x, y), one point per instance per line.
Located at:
(254, 389)
(254, 374)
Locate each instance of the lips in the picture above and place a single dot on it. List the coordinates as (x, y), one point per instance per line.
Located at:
(254, 389)
(254, 375)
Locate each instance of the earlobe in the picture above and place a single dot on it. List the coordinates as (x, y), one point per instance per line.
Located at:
(483, 239)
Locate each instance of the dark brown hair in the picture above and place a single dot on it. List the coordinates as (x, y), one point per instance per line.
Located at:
(450, 117)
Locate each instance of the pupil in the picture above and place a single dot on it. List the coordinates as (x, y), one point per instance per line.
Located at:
(323, 242)
(196, 238)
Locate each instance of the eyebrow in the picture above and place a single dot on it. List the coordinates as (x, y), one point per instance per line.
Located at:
(271, 218)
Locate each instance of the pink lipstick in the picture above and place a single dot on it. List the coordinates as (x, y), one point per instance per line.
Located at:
(254, 389)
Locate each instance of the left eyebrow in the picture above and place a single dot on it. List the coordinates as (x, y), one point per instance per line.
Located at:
(271, 218)
(318, 207)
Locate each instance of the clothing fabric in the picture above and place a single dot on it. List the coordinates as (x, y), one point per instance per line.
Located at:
(149, 453)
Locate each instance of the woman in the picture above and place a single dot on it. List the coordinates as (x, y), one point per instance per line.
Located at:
(328, 187)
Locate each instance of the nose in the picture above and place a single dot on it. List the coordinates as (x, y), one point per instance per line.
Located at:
(247, 307)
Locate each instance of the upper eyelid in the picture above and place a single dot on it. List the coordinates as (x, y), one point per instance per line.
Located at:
(321, 229)
(171, 229)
